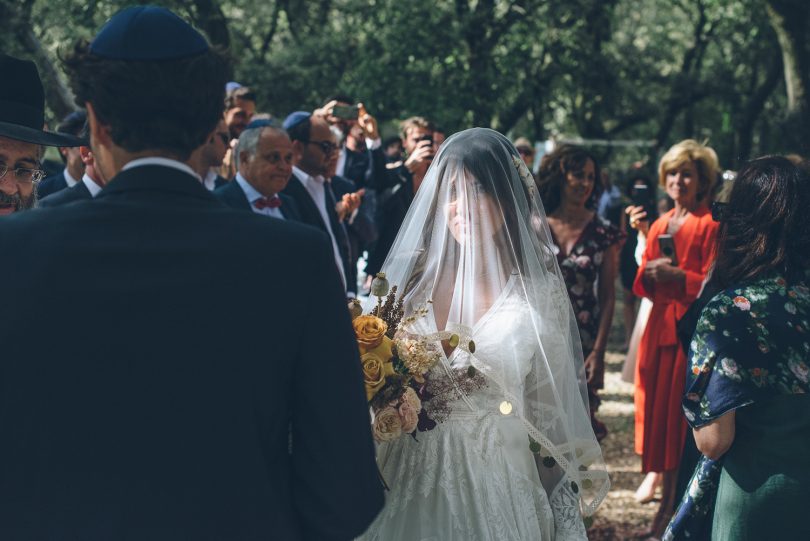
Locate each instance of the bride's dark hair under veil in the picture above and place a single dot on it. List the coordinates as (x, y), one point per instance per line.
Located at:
(474, 246)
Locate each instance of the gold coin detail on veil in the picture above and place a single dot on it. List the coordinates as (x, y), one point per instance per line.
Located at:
(506, 407)
(453, 341)
(472, 347)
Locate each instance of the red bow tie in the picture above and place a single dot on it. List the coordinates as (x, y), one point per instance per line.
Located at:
(267, 202)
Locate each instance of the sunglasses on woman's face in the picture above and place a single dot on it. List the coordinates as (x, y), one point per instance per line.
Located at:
(719, 211)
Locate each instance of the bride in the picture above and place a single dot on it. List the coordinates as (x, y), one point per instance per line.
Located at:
(513, 458)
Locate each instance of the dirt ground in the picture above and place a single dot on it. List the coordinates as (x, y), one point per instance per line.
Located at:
(619, 516)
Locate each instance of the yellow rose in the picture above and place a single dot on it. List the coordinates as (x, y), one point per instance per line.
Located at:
(370, 331)
(373, 373)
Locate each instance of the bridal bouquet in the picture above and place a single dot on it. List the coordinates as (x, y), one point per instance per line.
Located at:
(395, 366)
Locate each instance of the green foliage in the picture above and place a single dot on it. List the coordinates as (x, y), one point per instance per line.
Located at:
(651, 70)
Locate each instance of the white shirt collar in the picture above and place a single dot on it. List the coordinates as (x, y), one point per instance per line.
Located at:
(210, 180)
(306, 177)
(165, 162)
(71, 182)
(91, 185)
(251, 193)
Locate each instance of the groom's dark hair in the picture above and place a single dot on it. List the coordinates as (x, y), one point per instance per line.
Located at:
(171, 105)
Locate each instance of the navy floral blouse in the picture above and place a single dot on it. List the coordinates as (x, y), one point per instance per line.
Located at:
(751, 343)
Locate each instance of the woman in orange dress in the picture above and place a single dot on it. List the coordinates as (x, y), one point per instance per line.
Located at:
(687, 172)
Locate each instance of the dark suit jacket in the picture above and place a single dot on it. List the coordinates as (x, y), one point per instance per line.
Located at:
(362, 231)
(180, 405)
(63, 197)
(232, 195)
(220, 181)
(51, 185)
(311, 215)
(393, 201)
(366, 169)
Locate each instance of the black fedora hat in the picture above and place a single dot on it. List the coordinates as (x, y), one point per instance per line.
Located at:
(22, 106)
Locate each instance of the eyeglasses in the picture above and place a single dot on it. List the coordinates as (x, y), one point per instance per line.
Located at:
(327, 147)
(22, 175)
(719, 211)
(523, 151)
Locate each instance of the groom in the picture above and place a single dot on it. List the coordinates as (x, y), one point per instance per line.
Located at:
(188, 392)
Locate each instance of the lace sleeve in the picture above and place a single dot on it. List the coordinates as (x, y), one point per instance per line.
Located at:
(568, 524)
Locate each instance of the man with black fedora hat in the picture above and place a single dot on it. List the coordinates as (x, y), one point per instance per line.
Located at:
(72, 173)
(191, 393)
(22, 116)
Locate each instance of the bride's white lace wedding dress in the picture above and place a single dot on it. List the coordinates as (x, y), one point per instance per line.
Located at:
(473, 477)
(475, 249)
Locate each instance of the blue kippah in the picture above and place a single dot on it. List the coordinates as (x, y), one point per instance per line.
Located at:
(261, 123)
(231, 86)
(294, 119)
(147, 33)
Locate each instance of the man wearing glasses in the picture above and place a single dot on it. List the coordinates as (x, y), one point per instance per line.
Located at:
(313, 145)
(22, 115)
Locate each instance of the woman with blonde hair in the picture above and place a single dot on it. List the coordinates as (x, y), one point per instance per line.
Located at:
(679, 253)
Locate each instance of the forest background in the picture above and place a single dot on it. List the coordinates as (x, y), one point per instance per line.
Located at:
(640, 74)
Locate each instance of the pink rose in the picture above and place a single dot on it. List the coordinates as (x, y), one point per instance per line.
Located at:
(387, 425)
(409, 411)
(408, 417)
(412, 398)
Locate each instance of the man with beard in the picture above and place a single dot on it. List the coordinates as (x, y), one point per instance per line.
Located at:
(22, 115)
(217, 387)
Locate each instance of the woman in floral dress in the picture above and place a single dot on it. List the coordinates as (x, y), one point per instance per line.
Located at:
(587, 248)
(747, 393)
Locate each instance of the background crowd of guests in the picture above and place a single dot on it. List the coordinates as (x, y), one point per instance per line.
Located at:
(734, 366)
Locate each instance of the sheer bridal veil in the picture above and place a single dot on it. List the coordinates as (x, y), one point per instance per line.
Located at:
(476, 234)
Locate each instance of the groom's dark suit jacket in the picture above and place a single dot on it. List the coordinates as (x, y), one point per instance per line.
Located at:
(178, 405)
(232, 195)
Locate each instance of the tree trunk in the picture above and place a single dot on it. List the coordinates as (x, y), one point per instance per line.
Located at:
(790, 19)
(58, 96)
(213, 22)
(754, 108)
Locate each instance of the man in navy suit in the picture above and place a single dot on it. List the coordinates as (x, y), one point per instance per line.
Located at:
(264, 156)
(89, 186)
(71, 175)
(209, 158)
(313, 146)
(218, 392)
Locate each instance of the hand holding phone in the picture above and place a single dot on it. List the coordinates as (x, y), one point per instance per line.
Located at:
(346, 112)
(666, 244)
(643, 198)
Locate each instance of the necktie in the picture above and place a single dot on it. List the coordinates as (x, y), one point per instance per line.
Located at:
(267, 202)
